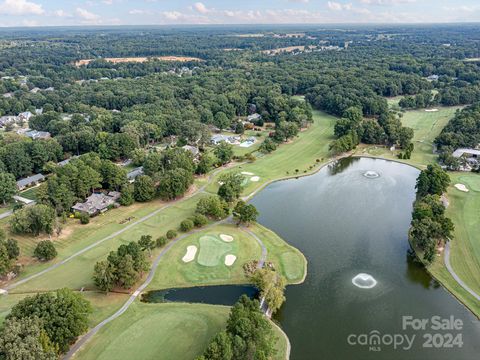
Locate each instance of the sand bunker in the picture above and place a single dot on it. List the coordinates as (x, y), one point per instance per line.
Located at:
(230, 259)
(461, 187)
(254, 178)
(247, 173)
(431, 110)
(190, 255)
(226, 238)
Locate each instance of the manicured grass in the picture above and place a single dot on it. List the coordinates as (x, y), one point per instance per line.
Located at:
(163, 331)
(212, 250)
(287, 260)
(173, 272)
(157, 331)
(464, 210)
(77, 273)
(301, 154)
(427, 126)
(30, 193)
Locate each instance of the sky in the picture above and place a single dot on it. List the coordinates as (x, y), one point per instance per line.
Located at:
(166, 12)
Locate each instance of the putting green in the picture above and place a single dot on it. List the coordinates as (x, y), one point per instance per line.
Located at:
(212, 250)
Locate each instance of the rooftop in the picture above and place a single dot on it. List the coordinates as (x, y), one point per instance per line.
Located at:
(30, 180)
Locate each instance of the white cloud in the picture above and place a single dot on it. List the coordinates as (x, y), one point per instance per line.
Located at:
(87, 15)
(108, 2)
(335, 6)
(200, 7)
(172, 15)
(61, 13)
(20, 7)
(140, 12)
(387, 2)
(299, 1)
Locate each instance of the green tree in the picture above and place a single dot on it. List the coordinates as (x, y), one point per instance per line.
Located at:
(144, 188)
(125, 272)
(146, 243)
(161, 241)
(223, 152)
(433, 180)
(25, 339)
(8, 187)
(186, 225)
(127, 195)
(231, 186)
(174, 183)
(51, 309)
(33, 220)
(245, 213)
(171, 234)
(206, 163)
(213, 207)
(45, 250)
(104, 276)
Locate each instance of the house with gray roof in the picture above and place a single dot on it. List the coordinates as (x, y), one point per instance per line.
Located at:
(97, 203)
(38, 135)
(132, 175)
(30, 181)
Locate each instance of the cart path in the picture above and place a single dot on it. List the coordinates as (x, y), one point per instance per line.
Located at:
(149, 279)
(455, 276)
(115, 234)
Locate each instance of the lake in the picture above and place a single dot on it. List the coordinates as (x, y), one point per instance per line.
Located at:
(347, 221)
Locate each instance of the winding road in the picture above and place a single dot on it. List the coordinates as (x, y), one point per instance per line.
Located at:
(455, 276)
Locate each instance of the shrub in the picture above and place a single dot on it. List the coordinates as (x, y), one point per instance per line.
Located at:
(84, 218)
(45, 250)
(161, 241)
(199, 220)
(186, 225)
(171, 234)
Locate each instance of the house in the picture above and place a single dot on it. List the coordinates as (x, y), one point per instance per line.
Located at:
(467, 153)
(194, 150)
(35, 90)
(97, 203)
(38, 135)
(132, 175)
(254, 117)
(66, 161)
(39, 111)
(30, 181)
(433, 78)
(218, 138)
(25, 116)
(8, 119)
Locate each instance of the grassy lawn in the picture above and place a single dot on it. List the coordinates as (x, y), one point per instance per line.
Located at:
(77, 273)
(173, 272)
(464, 209)
(301, 154)
(427, 126)
(157, 331)
(30, 193)
(162, 331)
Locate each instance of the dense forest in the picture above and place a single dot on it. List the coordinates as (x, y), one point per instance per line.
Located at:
(103, 113)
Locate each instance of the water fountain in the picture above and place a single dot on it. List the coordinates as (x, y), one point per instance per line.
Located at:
(370, 174)
(364, 281)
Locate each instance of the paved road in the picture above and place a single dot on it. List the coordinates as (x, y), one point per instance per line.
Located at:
(147, 282)
(111, 236)
(6, 214)
(455, 276)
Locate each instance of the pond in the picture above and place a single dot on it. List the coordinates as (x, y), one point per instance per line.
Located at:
(217, 294)
(351, 222)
